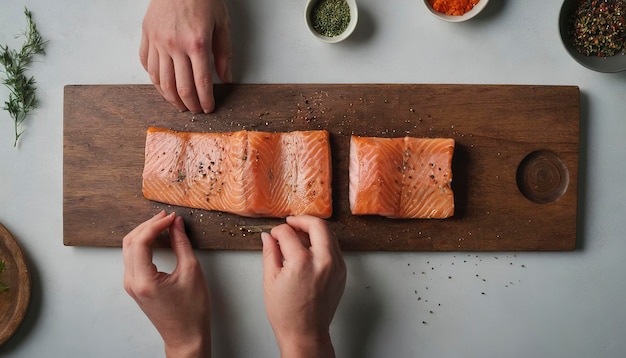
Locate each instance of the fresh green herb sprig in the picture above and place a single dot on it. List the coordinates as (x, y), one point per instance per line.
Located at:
(22, 98)
(3, 287)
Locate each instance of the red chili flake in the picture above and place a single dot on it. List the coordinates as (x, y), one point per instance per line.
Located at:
(599, 27)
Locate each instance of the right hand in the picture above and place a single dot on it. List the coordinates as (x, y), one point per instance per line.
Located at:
(178, 39)
(304, 276)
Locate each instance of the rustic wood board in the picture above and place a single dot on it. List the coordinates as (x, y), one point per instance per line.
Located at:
(495, 127)
(15, 275)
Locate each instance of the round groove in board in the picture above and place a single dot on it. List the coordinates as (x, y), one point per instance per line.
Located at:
(542, 177)
(14, 302)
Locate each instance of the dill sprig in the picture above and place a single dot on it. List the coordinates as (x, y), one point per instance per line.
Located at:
(22, 98)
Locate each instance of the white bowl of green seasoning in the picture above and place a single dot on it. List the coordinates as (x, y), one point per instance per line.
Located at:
(331, 21)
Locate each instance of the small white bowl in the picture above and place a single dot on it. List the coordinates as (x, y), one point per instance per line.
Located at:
(354, 15)
(468, 15)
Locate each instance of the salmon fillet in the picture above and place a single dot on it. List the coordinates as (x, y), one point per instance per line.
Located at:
(255, 174)
(401, 177)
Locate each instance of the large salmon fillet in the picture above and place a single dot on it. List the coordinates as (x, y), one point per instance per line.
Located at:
(256, 174)
(401, 177)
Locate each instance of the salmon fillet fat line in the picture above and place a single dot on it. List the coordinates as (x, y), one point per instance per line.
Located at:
(254, 174)
(401, 177)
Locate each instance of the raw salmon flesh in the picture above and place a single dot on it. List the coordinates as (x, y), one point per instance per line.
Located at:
(255, 174)
(401, 177)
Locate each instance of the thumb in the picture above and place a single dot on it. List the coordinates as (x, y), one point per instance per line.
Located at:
(272, 256)
(180, 243)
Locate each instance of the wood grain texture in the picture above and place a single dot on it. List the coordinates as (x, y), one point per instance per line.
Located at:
(13, 302)
(495, 127)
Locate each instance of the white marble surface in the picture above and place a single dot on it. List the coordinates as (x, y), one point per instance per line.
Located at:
(534, 304)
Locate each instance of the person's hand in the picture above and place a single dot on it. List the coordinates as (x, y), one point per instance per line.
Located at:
(304, 276)
(178, 39)
(176, 303)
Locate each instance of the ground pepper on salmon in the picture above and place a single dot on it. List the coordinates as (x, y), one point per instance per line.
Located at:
(254, 174)
(401, 177)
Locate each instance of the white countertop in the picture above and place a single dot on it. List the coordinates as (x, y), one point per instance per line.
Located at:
(525, 304)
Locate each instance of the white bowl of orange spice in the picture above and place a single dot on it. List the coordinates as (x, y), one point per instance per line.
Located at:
(455, 10)
(331, 21)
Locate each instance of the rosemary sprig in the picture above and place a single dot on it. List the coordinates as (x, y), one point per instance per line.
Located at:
(22, 98)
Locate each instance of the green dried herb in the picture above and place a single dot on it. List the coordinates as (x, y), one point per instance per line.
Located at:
(330, 17)
(3, 287)
(22, 98)
(599, 27)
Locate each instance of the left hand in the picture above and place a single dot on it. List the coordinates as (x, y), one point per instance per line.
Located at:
(177, 303)
(178, 39)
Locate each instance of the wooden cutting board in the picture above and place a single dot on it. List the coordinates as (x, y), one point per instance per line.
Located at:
(15, 285)
(515, 165)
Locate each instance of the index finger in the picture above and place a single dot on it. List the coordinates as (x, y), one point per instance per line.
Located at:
(181, 245)
(291, 245)
(321, 237)
(137, 246)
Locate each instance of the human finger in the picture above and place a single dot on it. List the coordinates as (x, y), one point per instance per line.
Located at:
(321, 237)
(223, 51)
(141, 246)
(167, 81)
(290, 243)
(203, 79)
(129, 248)
(144, 48)
(130, 238)
(185, 85)
(180, 244)
(153, 67)
(127, 242)
(272, 257)
(326, 251)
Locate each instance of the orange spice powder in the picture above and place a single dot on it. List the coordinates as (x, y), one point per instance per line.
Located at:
(453, 7)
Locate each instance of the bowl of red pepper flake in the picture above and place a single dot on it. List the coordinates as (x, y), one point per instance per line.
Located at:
(594, 33)
(455, 10)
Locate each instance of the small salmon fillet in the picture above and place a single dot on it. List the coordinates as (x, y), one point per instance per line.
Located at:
(401, 177)
(255, 174)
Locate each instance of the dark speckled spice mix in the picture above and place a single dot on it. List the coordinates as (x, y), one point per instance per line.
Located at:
(599, 27)
(330, 17)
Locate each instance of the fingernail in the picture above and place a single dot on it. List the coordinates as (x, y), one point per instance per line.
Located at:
(264, 237)
(209, 106)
